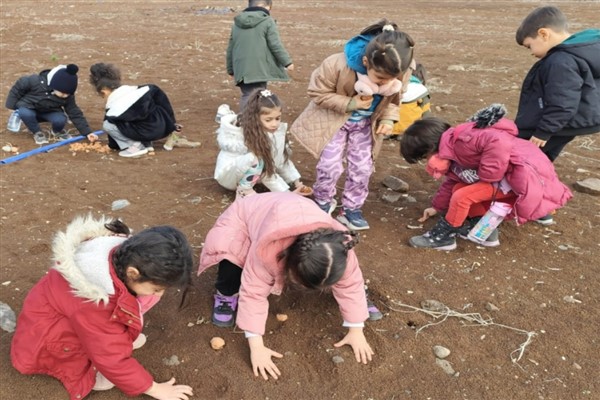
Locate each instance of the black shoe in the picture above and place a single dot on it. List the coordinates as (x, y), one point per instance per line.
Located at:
(441, 237)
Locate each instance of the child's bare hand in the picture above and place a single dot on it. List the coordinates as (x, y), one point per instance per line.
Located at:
(363, 102)
(260, 356)
(537, 142)
(169, 391)
(92, 137)
(384, 129)
(357, 340)
(427, 213)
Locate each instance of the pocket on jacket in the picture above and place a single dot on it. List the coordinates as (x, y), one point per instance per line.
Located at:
(64, 350)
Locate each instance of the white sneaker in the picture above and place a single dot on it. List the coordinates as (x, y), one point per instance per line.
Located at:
(102, 383)
(139, 342)
(134, 150)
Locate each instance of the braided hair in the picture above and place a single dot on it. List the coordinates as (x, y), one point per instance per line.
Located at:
(317, 259)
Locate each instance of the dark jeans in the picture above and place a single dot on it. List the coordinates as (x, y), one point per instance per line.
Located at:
(229, 278)
(31, 118)
(248, 88)
(553, 146)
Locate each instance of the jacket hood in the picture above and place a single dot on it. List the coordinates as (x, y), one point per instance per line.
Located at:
(355, 50)
(584, 45)
(81, 256)
(251, 17)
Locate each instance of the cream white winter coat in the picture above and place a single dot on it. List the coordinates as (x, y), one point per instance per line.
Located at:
(235, 159)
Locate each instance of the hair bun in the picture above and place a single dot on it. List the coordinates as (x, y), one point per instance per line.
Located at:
(72, 69)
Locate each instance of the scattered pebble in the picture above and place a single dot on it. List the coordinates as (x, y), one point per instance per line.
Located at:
(337, 359)
(171, 361)
(433, 305)
(445, 365)
(441, 351)
(281, 317)
(217, 343)
(589, 185)
(491, 307)
(396, 184)
(120, 204)
(576, 366)
(8, 319)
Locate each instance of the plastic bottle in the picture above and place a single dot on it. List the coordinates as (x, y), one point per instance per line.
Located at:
(490, 221)
(14, 122)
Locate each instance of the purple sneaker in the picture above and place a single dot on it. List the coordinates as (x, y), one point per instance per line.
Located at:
(223, 314)
(374, 313)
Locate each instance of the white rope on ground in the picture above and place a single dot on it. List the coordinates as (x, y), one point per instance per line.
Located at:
(476, 318)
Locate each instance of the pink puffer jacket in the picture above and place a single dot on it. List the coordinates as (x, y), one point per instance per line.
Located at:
(253, 231)
(496, 152)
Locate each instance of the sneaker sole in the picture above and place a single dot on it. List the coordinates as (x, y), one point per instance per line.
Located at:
(448, 247)
(346, 222)
(487, 243)
(222, 324)
(134, 155)
(546, 222)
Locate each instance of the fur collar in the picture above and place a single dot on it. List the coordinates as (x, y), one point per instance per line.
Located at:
(80, 255)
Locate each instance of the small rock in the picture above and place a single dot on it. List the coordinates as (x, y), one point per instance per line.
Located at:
(281, 317)
(8, 319)
(217, 343)
(410, 199)
(456, 67)
(589, 185)
(396, 184)
(576, 366)
(433, 305)
(490, 307)
(120, 204)
(171, 361)
(441, 351)
(446, 366)
(391, 197)
(337, 359)
(571, 299)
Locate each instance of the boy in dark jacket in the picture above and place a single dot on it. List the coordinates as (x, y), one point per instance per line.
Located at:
(255, 54)
(48, 96)
(560, 97)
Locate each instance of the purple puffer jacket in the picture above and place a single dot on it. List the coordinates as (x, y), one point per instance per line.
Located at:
(496, 152)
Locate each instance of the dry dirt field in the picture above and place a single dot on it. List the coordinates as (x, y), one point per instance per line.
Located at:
(541, 341)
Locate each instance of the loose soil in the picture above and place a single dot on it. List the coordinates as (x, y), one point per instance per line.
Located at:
(469, 50)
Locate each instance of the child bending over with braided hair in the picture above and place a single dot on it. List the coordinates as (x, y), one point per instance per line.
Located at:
(265, 241)
(254, 149)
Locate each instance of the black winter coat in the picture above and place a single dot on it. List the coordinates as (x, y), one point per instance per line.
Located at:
(33, 92)
(561, 93)
(146, 118)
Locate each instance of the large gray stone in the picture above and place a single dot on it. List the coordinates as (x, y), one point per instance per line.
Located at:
(588, 185)
(396, 184)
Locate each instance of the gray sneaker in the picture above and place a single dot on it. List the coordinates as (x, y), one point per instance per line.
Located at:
(40, 138)
(61, 136)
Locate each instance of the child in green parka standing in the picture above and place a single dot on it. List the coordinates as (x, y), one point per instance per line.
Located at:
(255, 54)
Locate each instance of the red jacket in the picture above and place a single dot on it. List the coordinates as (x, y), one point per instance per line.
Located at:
(496, 152)
(80, 318)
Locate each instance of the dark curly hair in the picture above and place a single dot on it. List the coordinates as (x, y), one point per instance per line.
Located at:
(105, 76)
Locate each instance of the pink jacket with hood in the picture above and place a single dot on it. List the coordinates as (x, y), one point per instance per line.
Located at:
(253, 231)
(496, 152)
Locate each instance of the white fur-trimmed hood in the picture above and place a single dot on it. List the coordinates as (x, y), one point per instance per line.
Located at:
(88, 274)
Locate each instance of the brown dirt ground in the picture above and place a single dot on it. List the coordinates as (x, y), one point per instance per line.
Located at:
(473, 60)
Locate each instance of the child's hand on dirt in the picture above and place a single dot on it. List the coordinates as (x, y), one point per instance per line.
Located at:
(357, 340)
(427, 213)
(92, 137)
(260, 356)
(169, 391)
(363, 102)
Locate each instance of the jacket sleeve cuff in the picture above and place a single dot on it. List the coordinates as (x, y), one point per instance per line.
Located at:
(347, 324)
(542, 135)
(249, 335)
(386, 122)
